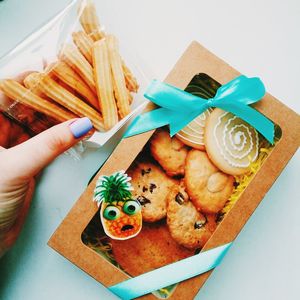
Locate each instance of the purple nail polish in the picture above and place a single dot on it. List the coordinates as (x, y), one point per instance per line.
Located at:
(81, 127)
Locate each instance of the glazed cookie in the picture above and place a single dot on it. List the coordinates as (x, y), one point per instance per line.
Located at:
(207, 186)
(193, 134)
(231, 143)
(187, 226)
(151, 249)
(169, 152)
(151, 187)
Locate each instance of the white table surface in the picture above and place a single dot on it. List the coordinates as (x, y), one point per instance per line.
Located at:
(259, 38)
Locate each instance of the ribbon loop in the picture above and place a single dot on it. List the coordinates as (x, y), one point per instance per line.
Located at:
(179, 108)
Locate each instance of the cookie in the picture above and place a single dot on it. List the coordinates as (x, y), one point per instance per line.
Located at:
(231, 143)
(187, 226)
(169, 152)
(150, 187)
(151, 249)
(208, 187)
(193, 134)
(120, 215)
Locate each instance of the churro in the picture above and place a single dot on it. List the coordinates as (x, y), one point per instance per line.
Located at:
(89, 79)
(62, 96)
(64, 85)
(90, 22)
(104, 83)
(84, 43)
(120, 90)
(67, 75)
(130, 97)
(34, 88)
(18, 92)
(131, 82)
(73, 57)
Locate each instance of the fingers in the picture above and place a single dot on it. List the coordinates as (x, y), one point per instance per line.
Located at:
(63, 97)
(11, 236)
(27, 159)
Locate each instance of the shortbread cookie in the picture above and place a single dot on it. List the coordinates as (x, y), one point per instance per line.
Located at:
(208, 187)
(231, 143)
(187, 226)
(151, 249)
(151, 187)
(169, 152)
(193, 134)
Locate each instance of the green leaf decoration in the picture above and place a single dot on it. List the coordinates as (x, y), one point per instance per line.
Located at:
(115, 187)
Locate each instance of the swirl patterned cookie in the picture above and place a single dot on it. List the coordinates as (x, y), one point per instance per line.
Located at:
(193, 134)
(231, 143)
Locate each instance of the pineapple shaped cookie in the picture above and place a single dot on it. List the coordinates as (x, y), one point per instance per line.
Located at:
(120, 215)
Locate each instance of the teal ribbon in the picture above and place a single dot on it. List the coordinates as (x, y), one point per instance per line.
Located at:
(170, 274)
(178, 108)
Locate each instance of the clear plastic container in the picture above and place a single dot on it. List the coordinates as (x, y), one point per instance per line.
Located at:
(39, 50)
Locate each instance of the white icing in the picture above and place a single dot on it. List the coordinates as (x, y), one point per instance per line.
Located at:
(192, 135)
(237, 141)
(189, 140)
(242, 155)
(238, 138)
(201, 124)
(191, 131)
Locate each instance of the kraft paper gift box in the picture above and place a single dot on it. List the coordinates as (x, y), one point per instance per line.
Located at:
(74, 237)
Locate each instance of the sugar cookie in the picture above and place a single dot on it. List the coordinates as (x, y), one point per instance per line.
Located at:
(231, 143)
(193, 134)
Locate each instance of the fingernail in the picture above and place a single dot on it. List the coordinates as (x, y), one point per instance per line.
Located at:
(81, 127)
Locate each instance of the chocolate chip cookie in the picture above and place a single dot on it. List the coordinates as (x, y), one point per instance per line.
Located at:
(188, 227)
(151, 188)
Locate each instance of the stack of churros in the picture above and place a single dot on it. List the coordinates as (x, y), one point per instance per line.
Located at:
(89, 78)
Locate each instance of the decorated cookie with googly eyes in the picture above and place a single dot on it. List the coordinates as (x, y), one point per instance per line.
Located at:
(120, 214)
(231, 143)
(193, 134)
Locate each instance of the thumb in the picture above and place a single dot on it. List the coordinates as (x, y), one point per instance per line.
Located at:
(27, 159)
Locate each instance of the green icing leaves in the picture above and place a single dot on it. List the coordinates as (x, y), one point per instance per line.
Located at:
(113, 188)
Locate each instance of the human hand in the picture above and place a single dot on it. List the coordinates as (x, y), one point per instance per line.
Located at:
(20, 164)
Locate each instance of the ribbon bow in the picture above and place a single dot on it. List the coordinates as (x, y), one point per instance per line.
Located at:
(178, 108)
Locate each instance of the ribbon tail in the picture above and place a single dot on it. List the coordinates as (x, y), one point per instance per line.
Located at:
(149, 121)
(170, 274)
(257, 120)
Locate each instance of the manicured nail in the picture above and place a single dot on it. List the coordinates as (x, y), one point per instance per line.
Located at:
(81, 127)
